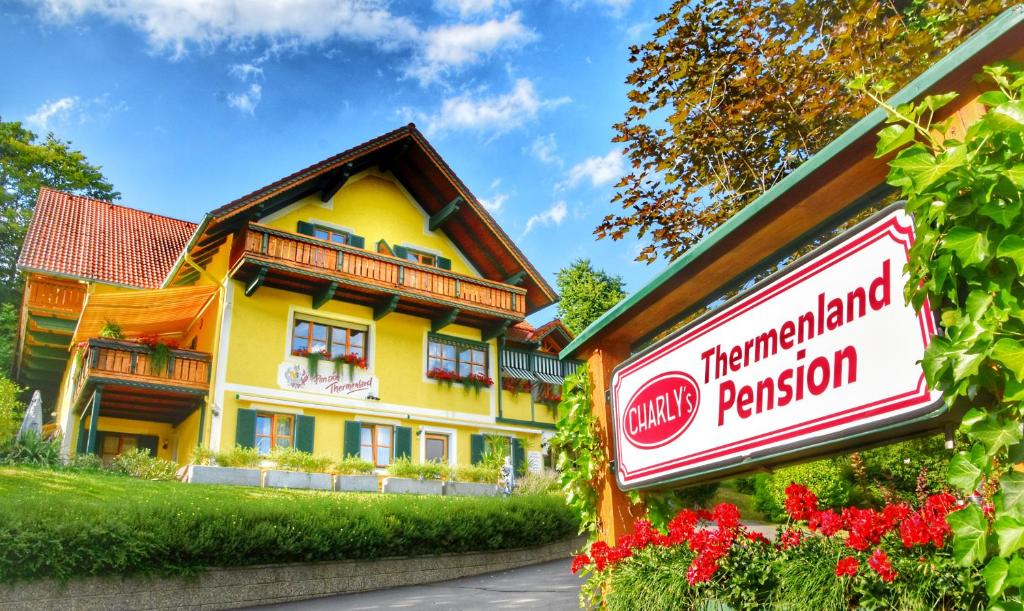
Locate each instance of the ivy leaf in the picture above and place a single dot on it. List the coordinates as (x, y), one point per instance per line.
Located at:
(1012, 247)
(1011, 493)
(969, 245)
(996, 435)
(977, 302)
(1010, 353)
(969, 527)
(1010, 533)
(923, 169)
(1015, 175)
(935, 360)
(1009, 116)
(892, 138)
(1001, 211)
(995, 573)
(993, 98)
(966, 364)
(966, 468)
(935, 102)
(1015, 577)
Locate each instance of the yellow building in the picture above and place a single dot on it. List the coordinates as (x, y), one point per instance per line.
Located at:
(367, 305)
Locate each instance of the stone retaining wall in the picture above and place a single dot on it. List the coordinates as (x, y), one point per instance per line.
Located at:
(262, 585)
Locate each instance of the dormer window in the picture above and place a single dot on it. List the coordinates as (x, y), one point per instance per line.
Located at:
(333, 235)
(423, 258)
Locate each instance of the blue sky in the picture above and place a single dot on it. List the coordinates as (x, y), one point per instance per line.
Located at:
(188, 105)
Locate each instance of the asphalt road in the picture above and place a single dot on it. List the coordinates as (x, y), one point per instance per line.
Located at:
(541, 586)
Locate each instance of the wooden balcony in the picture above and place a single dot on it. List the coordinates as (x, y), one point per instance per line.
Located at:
(53, 297)
(130, 387)
(262, 256)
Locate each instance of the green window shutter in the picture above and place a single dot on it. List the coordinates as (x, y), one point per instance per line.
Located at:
(444, 263)
(401, 252)
(147, 442)
(304, 426)
(476, 448)
(305, 228)
(518, 456)
(245, 428)
(351, 444)
(403, 442)
(357, 241)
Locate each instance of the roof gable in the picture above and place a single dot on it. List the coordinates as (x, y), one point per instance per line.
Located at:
(407, 155)
(91, 239)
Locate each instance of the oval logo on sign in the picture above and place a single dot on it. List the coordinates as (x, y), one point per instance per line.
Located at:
(661, 410)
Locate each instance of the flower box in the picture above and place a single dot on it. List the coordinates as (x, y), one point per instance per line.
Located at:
(470, 489)
(297, 480)
(403, 485)
(233, 476)
(356, 483)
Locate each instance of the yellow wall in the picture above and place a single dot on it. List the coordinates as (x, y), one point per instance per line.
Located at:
(374, 206)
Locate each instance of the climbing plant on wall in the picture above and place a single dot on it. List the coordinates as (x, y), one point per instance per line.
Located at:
(581, 459)
(968, 262)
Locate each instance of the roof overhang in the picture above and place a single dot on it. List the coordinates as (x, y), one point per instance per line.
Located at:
(421, 170)
(822, 192)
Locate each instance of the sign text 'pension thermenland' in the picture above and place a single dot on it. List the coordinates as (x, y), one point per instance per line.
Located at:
(828, 348)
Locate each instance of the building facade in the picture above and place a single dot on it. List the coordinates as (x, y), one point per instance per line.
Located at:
(366, 305)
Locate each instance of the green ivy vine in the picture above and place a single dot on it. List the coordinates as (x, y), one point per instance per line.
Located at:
(968, 262)
(581, 458)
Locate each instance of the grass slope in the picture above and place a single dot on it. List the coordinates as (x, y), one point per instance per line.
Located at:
(64, 524)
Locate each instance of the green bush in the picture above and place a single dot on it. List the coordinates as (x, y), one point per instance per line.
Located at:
(826, 478)
(903, 471)
(353, 465)
(290, 459)
(65, 524)
(245, 458)
(696, 496)
(404, 467)
(138, 463)
(204, 456)
(31, 449)
(11, 409)
(541, 482)
(480, 474)
(84, 462)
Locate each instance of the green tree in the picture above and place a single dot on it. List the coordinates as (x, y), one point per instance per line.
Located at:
(26, 164)
(8, 327)
(729, 96)
(587, 293)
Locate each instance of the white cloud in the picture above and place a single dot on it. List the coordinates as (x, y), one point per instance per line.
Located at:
(248, 100)
(599, 170)
(543, 149)
(60, 109)
(467, 8)
(552, 216)
(449, 47)
(494, 114)
(246, 72)
(616, 8)
(494, 204)
(173, 25)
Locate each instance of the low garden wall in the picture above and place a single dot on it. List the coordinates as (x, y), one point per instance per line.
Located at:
(267, 584)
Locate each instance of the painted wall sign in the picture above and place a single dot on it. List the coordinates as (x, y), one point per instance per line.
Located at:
(825, 350)
(292, 376)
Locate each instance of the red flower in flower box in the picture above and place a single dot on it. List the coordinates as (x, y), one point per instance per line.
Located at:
(445, 375)
(353, 359)
(478, 379)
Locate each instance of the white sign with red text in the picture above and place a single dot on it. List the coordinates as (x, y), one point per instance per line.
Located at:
(825, 349)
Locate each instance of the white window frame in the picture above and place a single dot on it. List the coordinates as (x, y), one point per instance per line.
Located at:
(453, 437)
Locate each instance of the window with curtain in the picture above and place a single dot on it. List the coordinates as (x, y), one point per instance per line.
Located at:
(376, 444)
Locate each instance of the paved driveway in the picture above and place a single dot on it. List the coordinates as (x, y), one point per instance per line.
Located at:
(542, 586)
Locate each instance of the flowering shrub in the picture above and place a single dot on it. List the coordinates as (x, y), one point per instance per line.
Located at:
(895, 557)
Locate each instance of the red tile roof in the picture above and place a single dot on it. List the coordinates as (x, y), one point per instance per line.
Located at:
(524, 333)
(82, 237)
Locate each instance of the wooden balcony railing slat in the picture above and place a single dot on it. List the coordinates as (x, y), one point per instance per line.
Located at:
(375, 268)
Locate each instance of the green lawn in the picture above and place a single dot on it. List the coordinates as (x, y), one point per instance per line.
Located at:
(64, 524)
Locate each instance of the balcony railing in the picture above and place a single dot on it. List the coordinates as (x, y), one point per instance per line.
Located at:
(119, 361)
(379, 271)
(55, 296)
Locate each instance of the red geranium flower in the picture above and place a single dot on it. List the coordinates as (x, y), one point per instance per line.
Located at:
(726, 515)
(599, 552)
(881, 565)
(579, 562)
(828, 522)
(790, 538)
(846, 566)
(800, 501)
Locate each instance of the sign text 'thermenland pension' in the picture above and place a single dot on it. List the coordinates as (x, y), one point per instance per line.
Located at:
(826, 349)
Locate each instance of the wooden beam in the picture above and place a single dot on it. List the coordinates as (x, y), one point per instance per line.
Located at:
(257, 281)
(498, 329)
(324, 295)
(385, 307)
(334, 185)
(445, 214)
(444, 320)
(517, 278)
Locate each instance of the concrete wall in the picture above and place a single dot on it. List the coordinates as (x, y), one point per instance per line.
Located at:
(262, 585)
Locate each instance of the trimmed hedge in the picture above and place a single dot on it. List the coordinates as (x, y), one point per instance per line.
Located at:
(62, 524)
